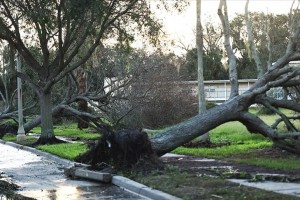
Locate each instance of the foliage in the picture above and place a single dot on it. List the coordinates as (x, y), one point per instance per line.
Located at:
(213, 68)
(263, 25)
(153, 97)
(210, 105)
(265, 111)
(55, 38)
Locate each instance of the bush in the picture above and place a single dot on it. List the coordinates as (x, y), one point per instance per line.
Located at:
(210, 105)
(265, 111)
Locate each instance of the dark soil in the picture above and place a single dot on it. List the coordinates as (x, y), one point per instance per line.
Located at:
(192, 177)
(229, 169)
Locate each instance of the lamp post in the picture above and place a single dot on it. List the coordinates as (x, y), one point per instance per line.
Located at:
(21, 132)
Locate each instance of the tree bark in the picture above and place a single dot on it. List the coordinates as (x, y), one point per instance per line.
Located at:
(230, 54)
(47, 133)
(201, 92)
(184, 132)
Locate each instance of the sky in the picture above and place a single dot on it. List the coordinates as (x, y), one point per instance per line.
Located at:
(180, 27)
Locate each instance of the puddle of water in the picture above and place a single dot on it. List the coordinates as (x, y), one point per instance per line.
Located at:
(204, 160)
(214, 167)
(79, 193)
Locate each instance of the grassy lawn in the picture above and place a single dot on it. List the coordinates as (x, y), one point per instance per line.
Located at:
(65, 150)
(231, 138)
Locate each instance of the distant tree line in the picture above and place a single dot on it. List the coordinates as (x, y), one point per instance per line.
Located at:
(215, 64)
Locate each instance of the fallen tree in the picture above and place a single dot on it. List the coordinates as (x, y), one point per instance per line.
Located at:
(280, 74)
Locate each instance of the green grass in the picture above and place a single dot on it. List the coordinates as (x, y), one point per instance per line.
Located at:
(221, 152)
(70, 132)
(66, 150)
(278, 163)
(9, 138)
(13, 138)
(232, 137)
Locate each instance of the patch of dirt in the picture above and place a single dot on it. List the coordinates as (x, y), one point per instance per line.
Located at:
(228, 169)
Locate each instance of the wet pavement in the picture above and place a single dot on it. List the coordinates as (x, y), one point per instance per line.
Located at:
(42, 178)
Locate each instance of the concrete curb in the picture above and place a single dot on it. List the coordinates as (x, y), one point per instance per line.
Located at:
(120, 181)
(141, 189)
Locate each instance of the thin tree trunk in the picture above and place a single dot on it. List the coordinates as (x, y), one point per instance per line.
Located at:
(233, 77)
(82, 106)
(199, 45)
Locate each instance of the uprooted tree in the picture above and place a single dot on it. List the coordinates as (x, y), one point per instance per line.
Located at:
(58, 61)
(281, 73)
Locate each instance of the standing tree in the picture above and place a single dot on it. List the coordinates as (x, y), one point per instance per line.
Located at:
(223, 15)
(199, 45)
(53, 26)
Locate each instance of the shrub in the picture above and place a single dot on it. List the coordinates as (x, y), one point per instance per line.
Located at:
(265, 111)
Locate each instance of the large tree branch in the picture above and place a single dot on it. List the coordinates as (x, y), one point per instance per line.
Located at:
(278, 103)
(255, 125)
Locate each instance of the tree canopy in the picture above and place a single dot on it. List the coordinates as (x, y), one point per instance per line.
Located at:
(66, 34)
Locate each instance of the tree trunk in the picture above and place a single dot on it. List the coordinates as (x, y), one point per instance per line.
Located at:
(82, 104)
(47, 132)
(201, 92)
(37, 121)
(233, 77)
(184, 132)
(82, 122)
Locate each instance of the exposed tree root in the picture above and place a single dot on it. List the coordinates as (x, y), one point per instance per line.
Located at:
(52, 140)
(122, 149)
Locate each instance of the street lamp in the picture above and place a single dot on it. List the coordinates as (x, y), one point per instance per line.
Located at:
(21, 132)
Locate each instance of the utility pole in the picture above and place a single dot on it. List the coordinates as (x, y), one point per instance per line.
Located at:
(21, 132)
